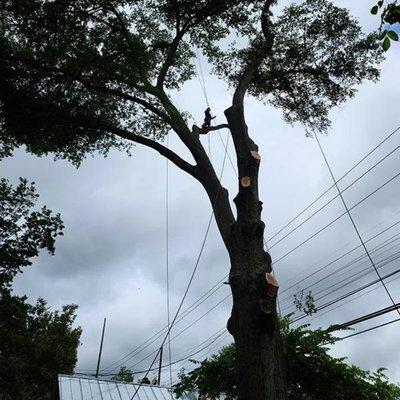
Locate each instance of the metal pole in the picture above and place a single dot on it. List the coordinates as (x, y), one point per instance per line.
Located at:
(159, 366)
(101, 348)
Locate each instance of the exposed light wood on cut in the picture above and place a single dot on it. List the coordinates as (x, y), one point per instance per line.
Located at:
(256, 155)
(245, 181)
(273, 285)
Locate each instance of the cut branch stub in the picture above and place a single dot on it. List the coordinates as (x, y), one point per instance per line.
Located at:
(272, 285)
(256, 155)
(245, 181)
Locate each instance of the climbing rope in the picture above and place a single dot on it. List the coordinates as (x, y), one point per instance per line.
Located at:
(167, 263)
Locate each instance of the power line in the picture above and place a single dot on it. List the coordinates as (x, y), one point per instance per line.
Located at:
(340, 257)
(159, 334)
(363, 318)
(348, 294)
(208, 311)
(349, 264)
(381, 232)
(349, 301)
(185, 329)
(335, 197)
(353, 223)
(337, 218)
(371, 329)
(342, 177)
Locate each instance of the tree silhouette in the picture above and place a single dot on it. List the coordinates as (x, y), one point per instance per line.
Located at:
(85, 76)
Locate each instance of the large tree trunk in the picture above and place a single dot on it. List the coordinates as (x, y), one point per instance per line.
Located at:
(253, 322)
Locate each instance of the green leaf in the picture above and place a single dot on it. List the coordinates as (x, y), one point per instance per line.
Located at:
(386, 44)
(393, 35)
(382, 35)
(380, 3)
(374, 10)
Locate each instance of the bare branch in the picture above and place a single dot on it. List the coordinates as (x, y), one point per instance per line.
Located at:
(164, 151)
(204, 131)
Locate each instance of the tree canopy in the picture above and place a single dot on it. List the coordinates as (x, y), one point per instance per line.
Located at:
(90, 75)
(24, 231)
(35, 343)
(313, 374)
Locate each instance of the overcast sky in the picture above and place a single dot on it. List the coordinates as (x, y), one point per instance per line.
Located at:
(112, 259)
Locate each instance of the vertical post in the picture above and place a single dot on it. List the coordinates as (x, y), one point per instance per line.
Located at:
(159, 366)
(101, 348)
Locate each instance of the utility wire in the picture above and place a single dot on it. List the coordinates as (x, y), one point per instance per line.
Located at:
(340, 257)
(335, 197)
(342, 177)
(337, 218)
(371, 329)
(348, 294)
(167, 262)
(349, 264)
(353, 222)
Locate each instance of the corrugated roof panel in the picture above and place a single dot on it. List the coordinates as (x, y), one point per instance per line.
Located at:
(72, 387)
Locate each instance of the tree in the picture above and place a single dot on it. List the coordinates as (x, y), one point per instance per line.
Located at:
(124, 375)
(84, 76)
(35, 343)
(313, 374)
(23, 230)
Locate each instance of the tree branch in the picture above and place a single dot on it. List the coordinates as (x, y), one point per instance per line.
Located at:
(164, 151)
(89, 85)
(169, 60)
(204, 131)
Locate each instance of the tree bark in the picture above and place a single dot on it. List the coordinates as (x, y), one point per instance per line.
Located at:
(253, 322)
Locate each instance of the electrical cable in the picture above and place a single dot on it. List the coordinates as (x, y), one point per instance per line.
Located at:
(342, 177)
(337, 218)
(354, 224)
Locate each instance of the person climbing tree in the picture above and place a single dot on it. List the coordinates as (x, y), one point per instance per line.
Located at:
(207, 118)
(82, 77)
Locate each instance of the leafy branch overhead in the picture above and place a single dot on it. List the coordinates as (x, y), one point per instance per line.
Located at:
(92, 75)
(390, 15)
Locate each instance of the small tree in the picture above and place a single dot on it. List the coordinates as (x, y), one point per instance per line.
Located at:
(85, 76)
(124, 375)
(313, 374)
(35, 343)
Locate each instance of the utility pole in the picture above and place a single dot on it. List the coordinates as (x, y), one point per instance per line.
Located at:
(101, 348)
(159, 366)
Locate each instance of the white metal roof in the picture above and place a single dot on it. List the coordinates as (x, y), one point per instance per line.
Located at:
(74, 387)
